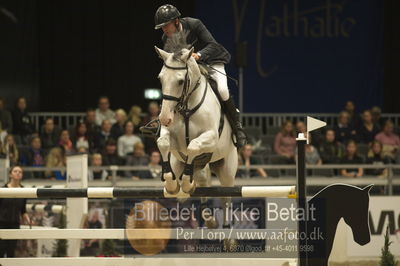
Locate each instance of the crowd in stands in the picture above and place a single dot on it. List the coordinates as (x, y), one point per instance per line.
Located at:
(110, 138)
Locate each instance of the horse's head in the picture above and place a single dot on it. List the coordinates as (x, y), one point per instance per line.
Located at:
(176, 75)
(357, 218)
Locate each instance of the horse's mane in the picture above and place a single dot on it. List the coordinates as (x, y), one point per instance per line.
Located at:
(176, 43)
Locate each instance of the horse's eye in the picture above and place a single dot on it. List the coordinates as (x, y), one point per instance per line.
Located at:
(180, 82)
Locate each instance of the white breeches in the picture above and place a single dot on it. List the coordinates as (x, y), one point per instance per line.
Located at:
(221, 80)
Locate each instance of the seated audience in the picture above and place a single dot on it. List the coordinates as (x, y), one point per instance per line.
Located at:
(312, 154)
(10, 150)
(102, 136)
(134, 116)
(285, 142)
(66, 143)
(22, 124)
(367, 130)
(138, 158)
(155, 169)
(247, 159)
(50, 134)
(3, 134)
(5, 117)
(376, 157)
(56, 158)
(90, 121)
(330, 150)
(127, 141)
(354, 118)
(95, 174)
(344, 131)
(104, 112)
(117, 129)
(377, 116)
(110, 155)
(153, 112)
(301, 127)
(389, 140)
(351, 157)
(35, 156)
(81, 137)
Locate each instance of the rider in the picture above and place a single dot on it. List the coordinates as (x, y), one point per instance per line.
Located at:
(206, 50)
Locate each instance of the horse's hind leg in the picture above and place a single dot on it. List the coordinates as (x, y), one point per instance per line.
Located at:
(226, 172)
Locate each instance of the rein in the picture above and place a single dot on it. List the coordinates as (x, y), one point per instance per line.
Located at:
(182, 106)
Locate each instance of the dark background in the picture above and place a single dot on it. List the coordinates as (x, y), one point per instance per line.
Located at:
(62, 55)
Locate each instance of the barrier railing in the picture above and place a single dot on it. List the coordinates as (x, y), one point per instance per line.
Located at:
(318, 180)
(262, 120)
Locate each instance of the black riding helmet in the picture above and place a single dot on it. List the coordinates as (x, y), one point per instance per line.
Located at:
(164, 15)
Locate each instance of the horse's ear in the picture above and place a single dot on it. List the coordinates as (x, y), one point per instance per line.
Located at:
(186, 55)
(161, 53)
(368, 188)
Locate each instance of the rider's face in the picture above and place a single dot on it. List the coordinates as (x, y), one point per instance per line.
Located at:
(170, 28)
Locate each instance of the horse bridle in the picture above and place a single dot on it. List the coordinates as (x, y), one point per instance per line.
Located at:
(183, 99)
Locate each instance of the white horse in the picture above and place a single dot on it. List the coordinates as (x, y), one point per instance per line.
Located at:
(190, 118)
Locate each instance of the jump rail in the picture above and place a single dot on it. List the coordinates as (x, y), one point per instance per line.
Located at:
(143, 192)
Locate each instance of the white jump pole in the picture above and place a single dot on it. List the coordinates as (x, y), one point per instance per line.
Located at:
(145, 192)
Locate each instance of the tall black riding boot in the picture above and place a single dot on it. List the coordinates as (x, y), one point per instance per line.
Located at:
(233, 116)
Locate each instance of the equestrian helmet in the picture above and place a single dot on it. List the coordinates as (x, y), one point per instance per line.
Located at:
(164, 15)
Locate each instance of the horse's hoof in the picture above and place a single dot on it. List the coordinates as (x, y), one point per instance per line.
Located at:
(211, 223)
(187, 186)
(171, 186)
(230, 245)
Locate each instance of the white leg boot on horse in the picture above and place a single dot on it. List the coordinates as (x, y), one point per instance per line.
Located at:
(171, 183)
(205, 143)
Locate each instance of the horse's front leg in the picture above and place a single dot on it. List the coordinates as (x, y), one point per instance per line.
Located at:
(171, 183)
(204, 143)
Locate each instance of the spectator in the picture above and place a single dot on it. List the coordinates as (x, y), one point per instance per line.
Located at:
(35, 156)
(90, 121)
(22, 124)
(104, 112)
(92, 246)
(368, 129)
(376, 157)
(11, 211)
(155, 169)
(247, 159)
(377, 116)
(127, 141)
(343, 130)
(301, 127)
(389, 140)
(102, 136)
(50, 134)
(354, 118)
(81, 137)
(351, 157)
(285, 142)
(10, 149)
(110, 155)
(3, 134)
(96, 174)
(311, 154)
(5, 117)
(117, 129)
(66, 143)
(138, 158)
(56, 158)
(330, 150)
(134, 116)
(154, 110)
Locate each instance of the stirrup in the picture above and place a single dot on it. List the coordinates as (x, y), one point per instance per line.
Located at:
(151, 131)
